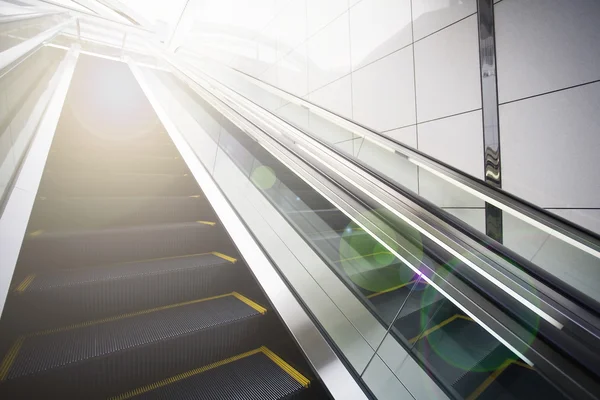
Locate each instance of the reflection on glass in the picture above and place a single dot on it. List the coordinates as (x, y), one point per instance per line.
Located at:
(467, 360)
(20, 89)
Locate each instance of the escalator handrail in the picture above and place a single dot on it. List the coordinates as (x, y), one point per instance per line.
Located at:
(540, 218)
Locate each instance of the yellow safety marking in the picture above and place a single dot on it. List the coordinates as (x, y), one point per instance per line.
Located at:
(440, 325)
(26, 282)
(10, 357)
(249, 302)
(132, 314)
(224, 257)
(364, 256)
(207, 223)
(272, 356)
(493, 376)
(196, 196)
(301, 379)
(36, 233)
(390, 289)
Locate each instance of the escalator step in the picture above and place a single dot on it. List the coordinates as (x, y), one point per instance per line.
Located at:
(66, 296)
(456, 346)
(75, 249)
(257, 374)
(116, 161)
(100, 212)
(111, 184)
(133, 349)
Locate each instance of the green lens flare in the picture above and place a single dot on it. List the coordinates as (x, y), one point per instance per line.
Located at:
(263, 177)
(372, 266)
(444, 329)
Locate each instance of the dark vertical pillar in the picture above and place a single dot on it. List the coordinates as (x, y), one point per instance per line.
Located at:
(489, 102)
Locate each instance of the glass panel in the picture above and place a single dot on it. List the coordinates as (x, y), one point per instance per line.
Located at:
(14, 33)
(528, 241)
(20, 91)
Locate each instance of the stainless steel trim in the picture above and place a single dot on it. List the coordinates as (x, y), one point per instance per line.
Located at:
(334, 375)
(489, 102)
(9, 56)
(523, 211)
(15, 217)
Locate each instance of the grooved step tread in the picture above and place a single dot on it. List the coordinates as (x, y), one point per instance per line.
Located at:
(85, 276)
(258, 373)
(54, 348)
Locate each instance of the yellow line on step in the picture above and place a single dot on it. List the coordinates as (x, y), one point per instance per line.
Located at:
(174, 379)
(36, 233)
(363, 256)
(494, 375)
(389, 290)
(249, 302)
(25, 284)
(207, 223)
(440, 325)
(128, 315)
(224, 257)
(10, 357)
(301, 379)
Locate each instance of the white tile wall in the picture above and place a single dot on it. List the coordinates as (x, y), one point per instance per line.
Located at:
(290, 27)
(293, 72)
(320, 13)
(392, 31)
(550, 145)
(406, 135)
(544, 45)
(329, 53)
(447, 71)
(432, 15)
(383, 92)
(456, 140)
(336, 97)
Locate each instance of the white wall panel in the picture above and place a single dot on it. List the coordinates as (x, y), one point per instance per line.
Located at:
(336, 97)
(293, 72)
(544, 45)
(457, 141)
(372, 40)
(290, 27)
(383, 92)
(432, 15)
(406, 135)
(447, 71)
(320, 13)
(329, 53)
(550, 146)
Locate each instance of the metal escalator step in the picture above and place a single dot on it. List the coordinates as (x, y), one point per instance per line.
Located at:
(516, 381)
(64, 213)
(118, 161)
(257, 374)
(110, 184)
(61, 297)
(455, 347)
(75, 249)
(133, 349)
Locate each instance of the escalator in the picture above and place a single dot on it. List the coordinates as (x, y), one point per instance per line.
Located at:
(458, 352)
(127, 286)
(465, 359)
